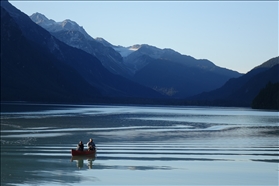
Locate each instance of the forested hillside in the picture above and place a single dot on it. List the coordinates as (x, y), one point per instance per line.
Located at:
(268, 98)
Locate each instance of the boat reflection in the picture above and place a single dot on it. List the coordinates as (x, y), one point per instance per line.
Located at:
(80, 161)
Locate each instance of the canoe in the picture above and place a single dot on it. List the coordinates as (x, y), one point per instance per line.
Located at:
(86, 157)
(83, 153)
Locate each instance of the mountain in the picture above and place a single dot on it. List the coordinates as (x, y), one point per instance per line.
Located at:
(104, 42)
(30, 73)
(174, 74)
(163, 70)
(241, 91)
(74, 35)
(35, 66)
(123, 51)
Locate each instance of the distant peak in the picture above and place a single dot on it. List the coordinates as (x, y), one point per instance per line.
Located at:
(39, 18)
(99, 39)
(37, 14)
(67, 23)
(135, 47)
(52, 26)
(104, 42)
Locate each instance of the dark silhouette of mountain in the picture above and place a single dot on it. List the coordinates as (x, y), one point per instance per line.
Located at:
(35, 66)
(268, 97)
(173, 74)
(43, 68)
(163, 70)
(30, 73)
(135, 66)
(241, 91)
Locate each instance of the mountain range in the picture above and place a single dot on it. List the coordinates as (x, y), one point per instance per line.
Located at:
(241, 91)
(35, 66)
(48, 61)
(163, 70)
(74, 35)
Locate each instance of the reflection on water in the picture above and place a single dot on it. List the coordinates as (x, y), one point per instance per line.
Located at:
(80, 161)
(163, 145)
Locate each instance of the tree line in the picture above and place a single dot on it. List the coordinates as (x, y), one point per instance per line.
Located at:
(268, 97)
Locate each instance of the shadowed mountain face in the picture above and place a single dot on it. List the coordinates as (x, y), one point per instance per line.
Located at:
(163, 70)
(74, 35)
(173, 74)
(30, 73)
(35, 66)
(241, 91)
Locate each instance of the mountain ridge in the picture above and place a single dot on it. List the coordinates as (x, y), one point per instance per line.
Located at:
(80, 74)
(241, 91)
(77, 37)
(130, 62)
(53, 26)
(43, 81)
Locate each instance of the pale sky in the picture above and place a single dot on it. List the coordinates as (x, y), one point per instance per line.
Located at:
(232, 34)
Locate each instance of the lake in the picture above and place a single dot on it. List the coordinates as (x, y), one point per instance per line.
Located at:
(138, 145)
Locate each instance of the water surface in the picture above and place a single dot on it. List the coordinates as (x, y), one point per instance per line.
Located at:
(138, 145)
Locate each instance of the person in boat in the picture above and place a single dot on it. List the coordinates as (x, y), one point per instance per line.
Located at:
(80, 146)
(91, 144)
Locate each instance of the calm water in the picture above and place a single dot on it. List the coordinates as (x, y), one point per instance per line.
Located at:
(139, 145)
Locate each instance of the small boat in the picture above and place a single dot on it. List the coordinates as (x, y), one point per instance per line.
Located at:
(83, 153)
(90, 157)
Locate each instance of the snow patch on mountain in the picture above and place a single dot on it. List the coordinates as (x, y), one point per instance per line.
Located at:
(124, 51)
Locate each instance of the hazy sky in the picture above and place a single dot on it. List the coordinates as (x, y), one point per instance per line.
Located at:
(235, 35)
